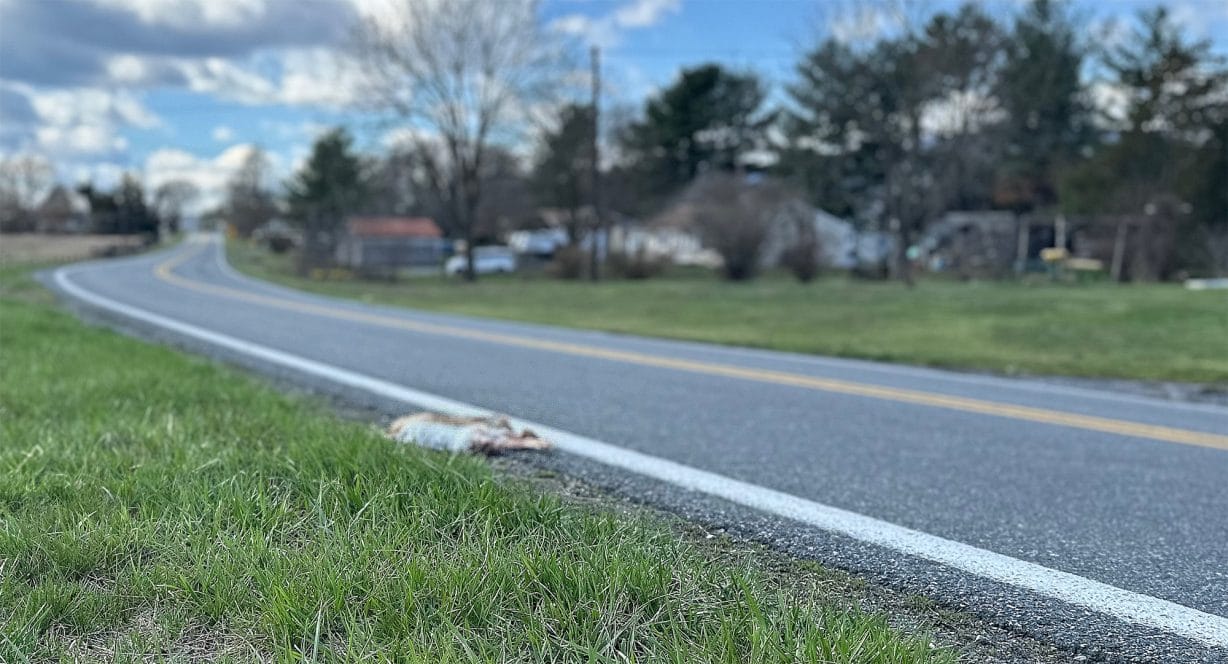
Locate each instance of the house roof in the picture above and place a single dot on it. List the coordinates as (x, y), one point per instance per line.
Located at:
(62, 200)
(393, 227)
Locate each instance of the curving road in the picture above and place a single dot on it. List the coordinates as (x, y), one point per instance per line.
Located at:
(1093, 519)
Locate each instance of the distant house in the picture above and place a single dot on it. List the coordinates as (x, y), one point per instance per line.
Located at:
(972, 243)
(386, 244)
(680, 246)
(673, 233)
(840, 246)
(670, 234)
(63, 211)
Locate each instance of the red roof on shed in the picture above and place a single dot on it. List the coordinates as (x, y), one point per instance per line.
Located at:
(393, 227)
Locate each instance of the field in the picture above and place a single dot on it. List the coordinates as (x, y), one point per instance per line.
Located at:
(156, 507)
(1140, 331)
(39, 248)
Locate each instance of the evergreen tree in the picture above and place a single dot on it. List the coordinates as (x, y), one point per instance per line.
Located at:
(132, 213)
(562, 169)
(709, 118)
(962, 54)
(327, 188)
(1048, 121)
(862, 110)
(1164, 145)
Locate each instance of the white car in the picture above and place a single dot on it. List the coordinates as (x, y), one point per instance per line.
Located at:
(486, 260)
(541, 243)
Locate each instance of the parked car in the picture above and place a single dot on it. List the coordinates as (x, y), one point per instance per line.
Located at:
(541, 242)
(486, 260)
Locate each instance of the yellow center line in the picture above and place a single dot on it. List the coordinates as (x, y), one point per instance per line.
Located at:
(165, 272)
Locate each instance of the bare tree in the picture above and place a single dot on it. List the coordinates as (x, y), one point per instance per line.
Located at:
(734, 216)
(23, 180)
(169, 200)
(249, 202)
(462, 74)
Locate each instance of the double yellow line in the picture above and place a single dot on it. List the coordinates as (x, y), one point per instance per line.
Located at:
(165, 272)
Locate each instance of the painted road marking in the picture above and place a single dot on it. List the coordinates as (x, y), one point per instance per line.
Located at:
(165, 272)
(667, 344)
(1131, 607)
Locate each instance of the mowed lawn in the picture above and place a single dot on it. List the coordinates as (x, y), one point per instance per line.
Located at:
(1136, 331)
(155, 507)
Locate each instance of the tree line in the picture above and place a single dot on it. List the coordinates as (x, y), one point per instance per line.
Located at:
(957, 110)
(951, 110)
(30, 200)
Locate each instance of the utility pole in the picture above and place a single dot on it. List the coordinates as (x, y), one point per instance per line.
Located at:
(595, 172)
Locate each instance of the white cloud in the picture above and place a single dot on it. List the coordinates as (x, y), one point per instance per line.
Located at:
(1111, 99)
(378, 10)
(142, 42)
(319, 77)
(79, 139)
(644, 13)
(307, 130)
(226, 79)
(1202, 20)
(70, 123)
(126, 68)
(600, 32)
(92, 106)
(606, 31)
(191, 13)
(74, 73)
(104, 175)
(959, 111)
(315, 77)
(209, 174)
(863, 24)
(405, 137)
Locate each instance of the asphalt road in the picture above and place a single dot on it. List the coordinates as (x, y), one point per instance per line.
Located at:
(1126, 492)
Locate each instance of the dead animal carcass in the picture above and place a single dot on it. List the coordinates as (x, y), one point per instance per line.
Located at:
(483, 435)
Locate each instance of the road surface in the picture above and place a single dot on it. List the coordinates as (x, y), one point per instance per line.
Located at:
(1096, 520)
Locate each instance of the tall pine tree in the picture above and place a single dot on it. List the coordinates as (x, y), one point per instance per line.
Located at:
(1048, 121)
(327, 188)
(709, 118)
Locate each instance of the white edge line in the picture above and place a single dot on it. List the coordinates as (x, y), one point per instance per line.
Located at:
(1022, 384)
(1125, 605)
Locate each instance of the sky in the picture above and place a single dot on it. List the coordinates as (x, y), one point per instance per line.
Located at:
(181, 89)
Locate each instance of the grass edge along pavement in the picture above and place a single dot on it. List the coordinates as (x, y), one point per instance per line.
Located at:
(1148, 332)
(156, 504)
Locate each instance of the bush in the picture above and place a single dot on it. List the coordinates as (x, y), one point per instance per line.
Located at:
(569, 263)
(280, 244)
(802, 260)
(871, 271)
(734, 216)
(638, 265)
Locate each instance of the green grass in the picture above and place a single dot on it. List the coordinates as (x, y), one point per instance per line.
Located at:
(158, 507)
(1140, 331)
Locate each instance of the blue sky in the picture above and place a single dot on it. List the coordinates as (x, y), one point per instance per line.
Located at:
(182, 88)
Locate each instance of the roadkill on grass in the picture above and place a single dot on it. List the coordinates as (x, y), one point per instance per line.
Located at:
(481, 435)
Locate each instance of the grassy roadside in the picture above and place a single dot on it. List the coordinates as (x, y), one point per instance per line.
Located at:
(153, 505)
(1142, 331)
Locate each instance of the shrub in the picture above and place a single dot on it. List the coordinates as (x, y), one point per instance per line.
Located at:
(280, 244)
(734, 217)
(802, 260)
(638, 265)
(569, 262)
